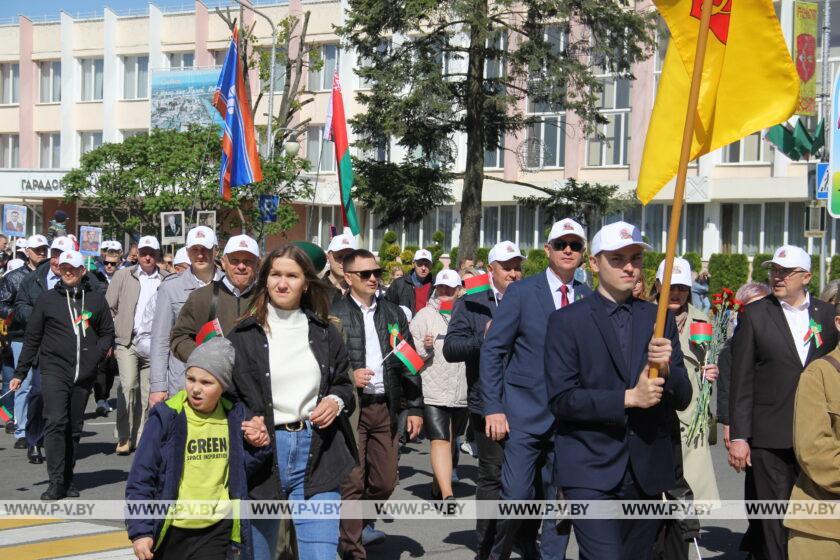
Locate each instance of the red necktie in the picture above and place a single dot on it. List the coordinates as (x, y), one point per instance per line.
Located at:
(564, 298)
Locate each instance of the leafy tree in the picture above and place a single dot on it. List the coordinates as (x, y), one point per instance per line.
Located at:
(437, 69)
(132, 182)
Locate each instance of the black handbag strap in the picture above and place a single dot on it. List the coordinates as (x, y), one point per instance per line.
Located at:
(833, 361)
(214, 301)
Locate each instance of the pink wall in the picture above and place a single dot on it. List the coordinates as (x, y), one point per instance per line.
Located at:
(203, 57)
(641, 105)
(28, 93)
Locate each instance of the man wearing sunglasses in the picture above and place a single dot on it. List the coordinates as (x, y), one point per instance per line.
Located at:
(413, 290)
(384, 387)
(513, 384)
(776, 338)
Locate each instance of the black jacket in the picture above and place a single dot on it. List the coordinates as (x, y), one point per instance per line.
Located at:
(63, 349)
(724, 381)
(35, 283)
(465, 337)
(333, 453)
(9, 286)
(403, 391)
(401, 291)
(766, 369)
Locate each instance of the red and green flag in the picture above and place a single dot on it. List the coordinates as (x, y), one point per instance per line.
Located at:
(394, 334)
(700, 333)
(5, 415)
(335, 130)
(478, 284)
(211, 329)
(409, 357)
(446, 307)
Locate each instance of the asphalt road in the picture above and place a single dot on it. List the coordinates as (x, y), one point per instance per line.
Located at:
(101, 474)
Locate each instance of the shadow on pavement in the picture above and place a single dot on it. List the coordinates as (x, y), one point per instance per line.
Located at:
(394, 547)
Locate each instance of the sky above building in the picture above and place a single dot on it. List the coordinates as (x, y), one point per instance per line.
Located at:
(39, 9)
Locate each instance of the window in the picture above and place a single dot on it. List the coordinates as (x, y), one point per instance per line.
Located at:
(751, 230)
(9, 151)
(50, 81)
(50, 150)
(539, 98)
(319, 149)
(695, 223)
(527, 227)
(279, 70)
(135, 77)
(10, 83)
(320, 80)
(90, 141)
(507, 223)
(412, 235)
(490, 226)
(654, 225)
(92, 70)
(219, 57)
(774, 226)
(730, 225)
(612, 148)
(131, 132)
(549, 142)
(495, 63)
(181, 60)
(494, 152)
(751, 149)
(796, 224)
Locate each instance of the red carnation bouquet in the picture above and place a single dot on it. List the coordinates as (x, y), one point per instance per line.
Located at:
(710, 337)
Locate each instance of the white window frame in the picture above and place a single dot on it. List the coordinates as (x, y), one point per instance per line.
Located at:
(325, 153)
(127, 133)
(9, 83)
(87, 141)
(52, 150)
(176, 60)
(135, 89)
(87, 81)
(9, 151)
(764, 147)
(324, 80)
(48, 67)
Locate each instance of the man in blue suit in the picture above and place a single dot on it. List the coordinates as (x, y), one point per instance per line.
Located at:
(512, 380)
(613, 439)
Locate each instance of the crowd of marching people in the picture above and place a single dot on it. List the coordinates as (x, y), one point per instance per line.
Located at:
(244, 375)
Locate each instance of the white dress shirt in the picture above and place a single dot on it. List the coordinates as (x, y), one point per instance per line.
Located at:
(554, 284)
(799, 323)
(148, 287)
(373, 352)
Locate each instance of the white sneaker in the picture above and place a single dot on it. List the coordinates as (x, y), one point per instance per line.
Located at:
(372, 536)
(469, 448)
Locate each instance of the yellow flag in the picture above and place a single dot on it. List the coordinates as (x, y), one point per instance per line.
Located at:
(749, 83)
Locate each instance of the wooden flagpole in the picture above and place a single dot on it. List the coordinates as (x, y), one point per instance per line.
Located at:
(679, 189)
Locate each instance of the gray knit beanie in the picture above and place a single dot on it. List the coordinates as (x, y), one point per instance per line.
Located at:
(215, 356)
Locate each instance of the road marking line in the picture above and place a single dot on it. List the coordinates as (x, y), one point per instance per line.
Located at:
(58, 530)
(79, 545)
(122, 554)
(17, 523)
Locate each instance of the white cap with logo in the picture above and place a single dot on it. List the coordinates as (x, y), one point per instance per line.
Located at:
(422, 255)
(680, 275)
(342, 242)
(14, 264)
(62, 244)
(503, 252)
(790, 256)
(242, 243)
(73, 258)
(37, 240)
(618, 235)
(448, 277)
(20, 244)
(566, 226)
(148, 242)
(181, 257)
(111, 245)
(201, 235)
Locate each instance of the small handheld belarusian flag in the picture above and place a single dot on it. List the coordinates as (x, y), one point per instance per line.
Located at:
(5, 415)
(700, 333)
(409, 357)
(394, 334)
(211, 329)
(477, 284)
(446, 307)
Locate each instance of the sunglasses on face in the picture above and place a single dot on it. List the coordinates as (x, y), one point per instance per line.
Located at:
(110, 263)
(366, 274)
(167, 262)
(561, 244)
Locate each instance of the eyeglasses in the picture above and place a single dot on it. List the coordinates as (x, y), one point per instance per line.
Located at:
(784, 272)
(110, 263)
(366, 274)
(560, 245)
(167, 262)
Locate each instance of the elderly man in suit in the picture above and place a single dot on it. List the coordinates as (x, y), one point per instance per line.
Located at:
(513, 384)
(613, 438)
(776, 338)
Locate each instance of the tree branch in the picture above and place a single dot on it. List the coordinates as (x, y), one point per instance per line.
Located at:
(486, 177)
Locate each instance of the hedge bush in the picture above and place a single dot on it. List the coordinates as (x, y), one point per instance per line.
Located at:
(695, 261)
(536, 262)
(649, 266)
(814, 285)
(481, 255)
(759, 273)
(727, 271)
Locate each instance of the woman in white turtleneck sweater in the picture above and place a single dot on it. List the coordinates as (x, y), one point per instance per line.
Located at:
(292, 369)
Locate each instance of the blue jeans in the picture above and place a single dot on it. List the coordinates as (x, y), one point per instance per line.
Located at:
(317, 539)
(31, 386)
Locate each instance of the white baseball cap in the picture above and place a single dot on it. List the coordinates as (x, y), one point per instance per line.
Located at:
(422, 255)
(112, 245)
(680, 275)
(242, 243)
(181, 256)
(63, 244)
(790, 256)
(448, 277)
(148, 242)
(37, 240)
(201, 235)
(504, 251)
(14, 264)
(72, 257)
(20, 244)
(618, 235)
(342, 242)
(566, 226)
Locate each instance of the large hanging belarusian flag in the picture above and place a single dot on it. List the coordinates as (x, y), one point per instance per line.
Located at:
(749, 83)
(335, 130)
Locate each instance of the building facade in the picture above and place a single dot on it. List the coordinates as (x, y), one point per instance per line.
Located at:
(69, 83)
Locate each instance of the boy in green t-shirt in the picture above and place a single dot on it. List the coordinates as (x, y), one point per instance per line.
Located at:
(192, 452)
